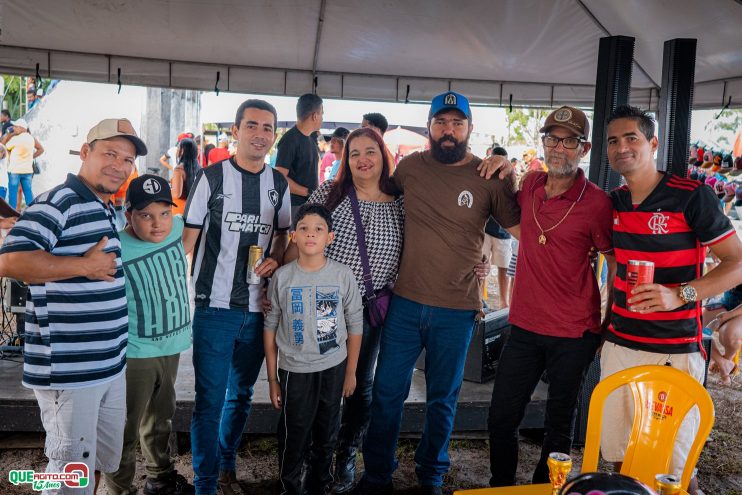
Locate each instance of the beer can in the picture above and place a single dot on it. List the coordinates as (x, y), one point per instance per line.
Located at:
(638, 272)
(560, 464)
(667, 484)
(253, 260)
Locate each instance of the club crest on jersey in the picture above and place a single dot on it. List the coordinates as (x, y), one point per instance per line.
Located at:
(466, 199)
(658, 223)
(244, 222)
(273, 197)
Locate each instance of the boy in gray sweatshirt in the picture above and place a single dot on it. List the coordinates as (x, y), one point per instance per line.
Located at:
(312, 338)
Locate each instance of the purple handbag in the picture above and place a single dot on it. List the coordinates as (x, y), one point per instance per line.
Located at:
(377, 302)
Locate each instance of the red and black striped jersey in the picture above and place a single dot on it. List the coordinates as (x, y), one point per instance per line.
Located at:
(672, 228)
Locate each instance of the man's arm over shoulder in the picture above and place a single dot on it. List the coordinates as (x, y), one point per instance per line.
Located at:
(504, 204)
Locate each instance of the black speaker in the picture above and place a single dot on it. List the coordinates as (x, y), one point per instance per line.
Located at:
(18, 292)
(484, 349)
(591, 380)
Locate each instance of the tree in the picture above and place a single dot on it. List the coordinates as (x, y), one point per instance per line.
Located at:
(725, 127)
(517, 120)
(523, 126)
(14, 97)
(11, 98)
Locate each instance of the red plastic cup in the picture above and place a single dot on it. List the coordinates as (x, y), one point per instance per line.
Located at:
(638, 272)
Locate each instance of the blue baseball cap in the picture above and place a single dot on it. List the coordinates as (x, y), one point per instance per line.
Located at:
(449, 101)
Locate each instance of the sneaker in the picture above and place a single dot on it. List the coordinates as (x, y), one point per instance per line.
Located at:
(228, 483)
(345, 472)
(170, 484)
(366, 488)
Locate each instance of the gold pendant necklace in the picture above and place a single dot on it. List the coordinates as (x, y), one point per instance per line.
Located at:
(542, 236)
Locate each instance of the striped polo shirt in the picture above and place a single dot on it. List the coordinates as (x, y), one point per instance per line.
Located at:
(672, 227)
(76, 329)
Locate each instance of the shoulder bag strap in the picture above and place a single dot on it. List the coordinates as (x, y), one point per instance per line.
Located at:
(367, 279)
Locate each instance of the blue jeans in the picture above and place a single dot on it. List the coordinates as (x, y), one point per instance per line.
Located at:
(3, 192)
(224, 388)
(25, 181)
(411, 327)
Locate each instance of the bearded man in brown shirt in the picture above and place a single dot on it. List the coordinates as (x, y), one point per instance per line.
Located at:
(437, 295)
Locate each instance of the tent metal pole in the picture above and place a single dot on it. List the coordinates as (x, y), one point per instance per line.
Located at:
(676, 103)
(317, 39)
(612, 87)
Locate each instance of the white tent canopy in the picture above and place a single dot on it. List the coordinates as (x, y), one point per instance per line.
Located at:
(537, 52)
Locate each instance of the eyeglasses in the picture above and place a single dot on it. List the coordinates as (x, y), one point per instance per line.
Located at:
(569, 143)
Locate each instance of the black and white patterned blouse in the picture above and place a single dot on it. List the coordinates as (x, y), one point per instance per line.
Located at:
(383, 225)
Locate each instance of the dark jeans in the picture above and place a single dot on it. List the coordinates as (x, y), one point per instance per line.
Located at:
(357, 407)
(525, 356)
(227, 357)
(311, 413)
(411, 327)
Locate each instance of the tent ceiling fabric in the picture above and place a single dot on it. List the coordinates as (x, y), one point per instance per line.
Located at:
(542, 52)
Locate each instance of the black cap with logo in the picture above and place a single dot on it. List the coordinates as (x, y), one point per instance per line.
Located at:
(147, 189)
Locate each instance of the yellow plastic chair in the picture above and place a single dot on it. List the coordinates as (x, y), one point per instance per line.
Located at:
(662, 398)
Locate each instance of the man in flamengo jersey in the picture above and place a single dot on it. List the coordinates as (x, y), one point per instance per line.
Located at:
(234, 204)
(670, 221)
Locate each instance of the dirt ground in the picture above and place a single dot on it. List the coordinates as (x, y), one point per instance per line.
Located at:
(720, 466)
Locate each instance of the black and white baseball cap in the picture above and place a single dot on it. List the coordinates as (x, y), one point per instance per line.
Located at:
(147, 189)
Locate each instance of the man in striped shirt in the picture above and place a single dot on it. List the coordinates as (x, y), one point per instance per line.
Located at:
(670, 221)
(65, 246)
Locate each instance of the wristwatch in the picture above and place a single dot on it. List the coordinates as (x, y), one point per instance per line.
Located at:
(687, 293)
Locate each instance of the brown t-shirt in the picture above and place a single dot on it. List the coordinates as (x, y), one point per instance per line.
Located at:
(446, 208)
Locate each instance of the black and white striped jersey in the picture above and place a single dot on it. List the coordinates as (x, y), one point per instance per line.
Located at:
(234, 209)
